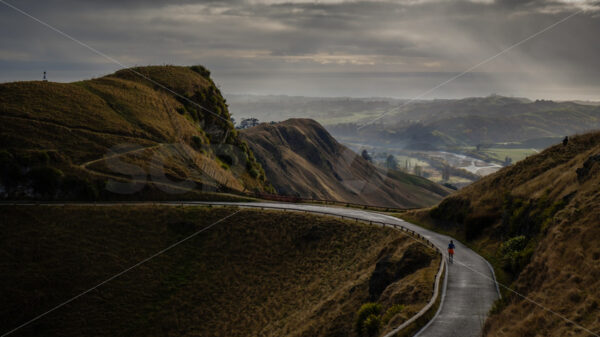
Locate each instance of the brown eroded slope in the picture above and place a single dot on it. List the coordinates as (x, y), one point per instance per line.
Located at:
(301, 158)
(538, 222)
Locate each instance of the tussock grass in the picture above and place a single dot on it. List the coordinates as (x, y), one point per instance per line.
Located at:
(258, 273)
(538, 223)
(81, 121)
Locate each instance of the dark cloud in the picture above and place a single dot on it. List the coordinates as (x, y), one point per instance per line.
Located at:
(353, 48)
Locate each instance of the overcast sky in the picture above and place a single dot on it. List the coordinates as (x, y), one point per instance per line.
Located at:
(318, 48)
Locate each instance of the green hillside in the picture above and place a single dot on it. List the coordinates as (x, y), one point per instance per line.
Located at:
(55, 137)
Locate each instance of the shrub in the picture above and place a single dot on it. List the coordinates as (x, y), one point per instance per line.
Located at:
(499, 305)
(475, 224)
(195, 114)
(515, 244)
(226, 155)
(529, 217)
(452, 209)
(201, 70)
(516, 254)
(79, 189)
(45, 180)
(196, 142)
(34, 158)
(391, 312)
(371, 325)
(254, 172)
(366, 311)
(10, 173)
(6, 158)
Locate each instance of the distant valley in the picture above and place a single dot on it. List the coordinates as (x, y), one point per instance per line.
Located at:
(474, 135)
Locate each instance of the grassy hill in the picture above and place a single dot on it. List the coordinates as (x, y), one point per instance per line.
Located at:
(301, 158)
(55, 137)
(256, 273)
(538, 221)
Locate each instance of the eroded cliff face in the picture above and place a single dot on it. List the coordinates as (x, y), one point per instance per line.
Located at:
(301, 158)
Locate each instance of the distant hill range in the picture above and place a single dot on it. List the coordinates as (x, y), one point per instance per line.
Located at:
(435, 124)
(538, 222)
(301, 158)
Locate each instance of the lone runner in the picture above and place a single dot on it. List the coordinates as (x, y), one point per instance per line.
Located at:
(451, 247)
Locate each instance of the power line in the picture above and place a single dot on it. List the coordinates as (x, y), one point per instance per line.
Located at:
(120, 273)
(111, 59)
(470, 69)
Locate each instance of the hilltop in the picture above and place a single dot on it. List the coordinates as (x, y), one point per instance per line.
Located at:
(301, 158)
(538, 222)
(71, 140)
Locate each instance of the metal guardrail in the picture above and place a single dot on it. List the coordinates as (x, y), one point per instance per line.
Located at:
(429, 305)
(263, 196)
(296, 199)
(371, 222)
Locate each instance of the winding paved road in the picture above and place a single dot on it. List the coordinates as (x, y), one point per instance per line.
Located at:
(471, 288)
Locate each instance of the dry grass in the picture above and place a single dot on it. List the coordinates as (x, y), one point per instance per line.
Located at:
(258, 273)
(173, 163)
(81, 121)
(301, 158)
(557, 213)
